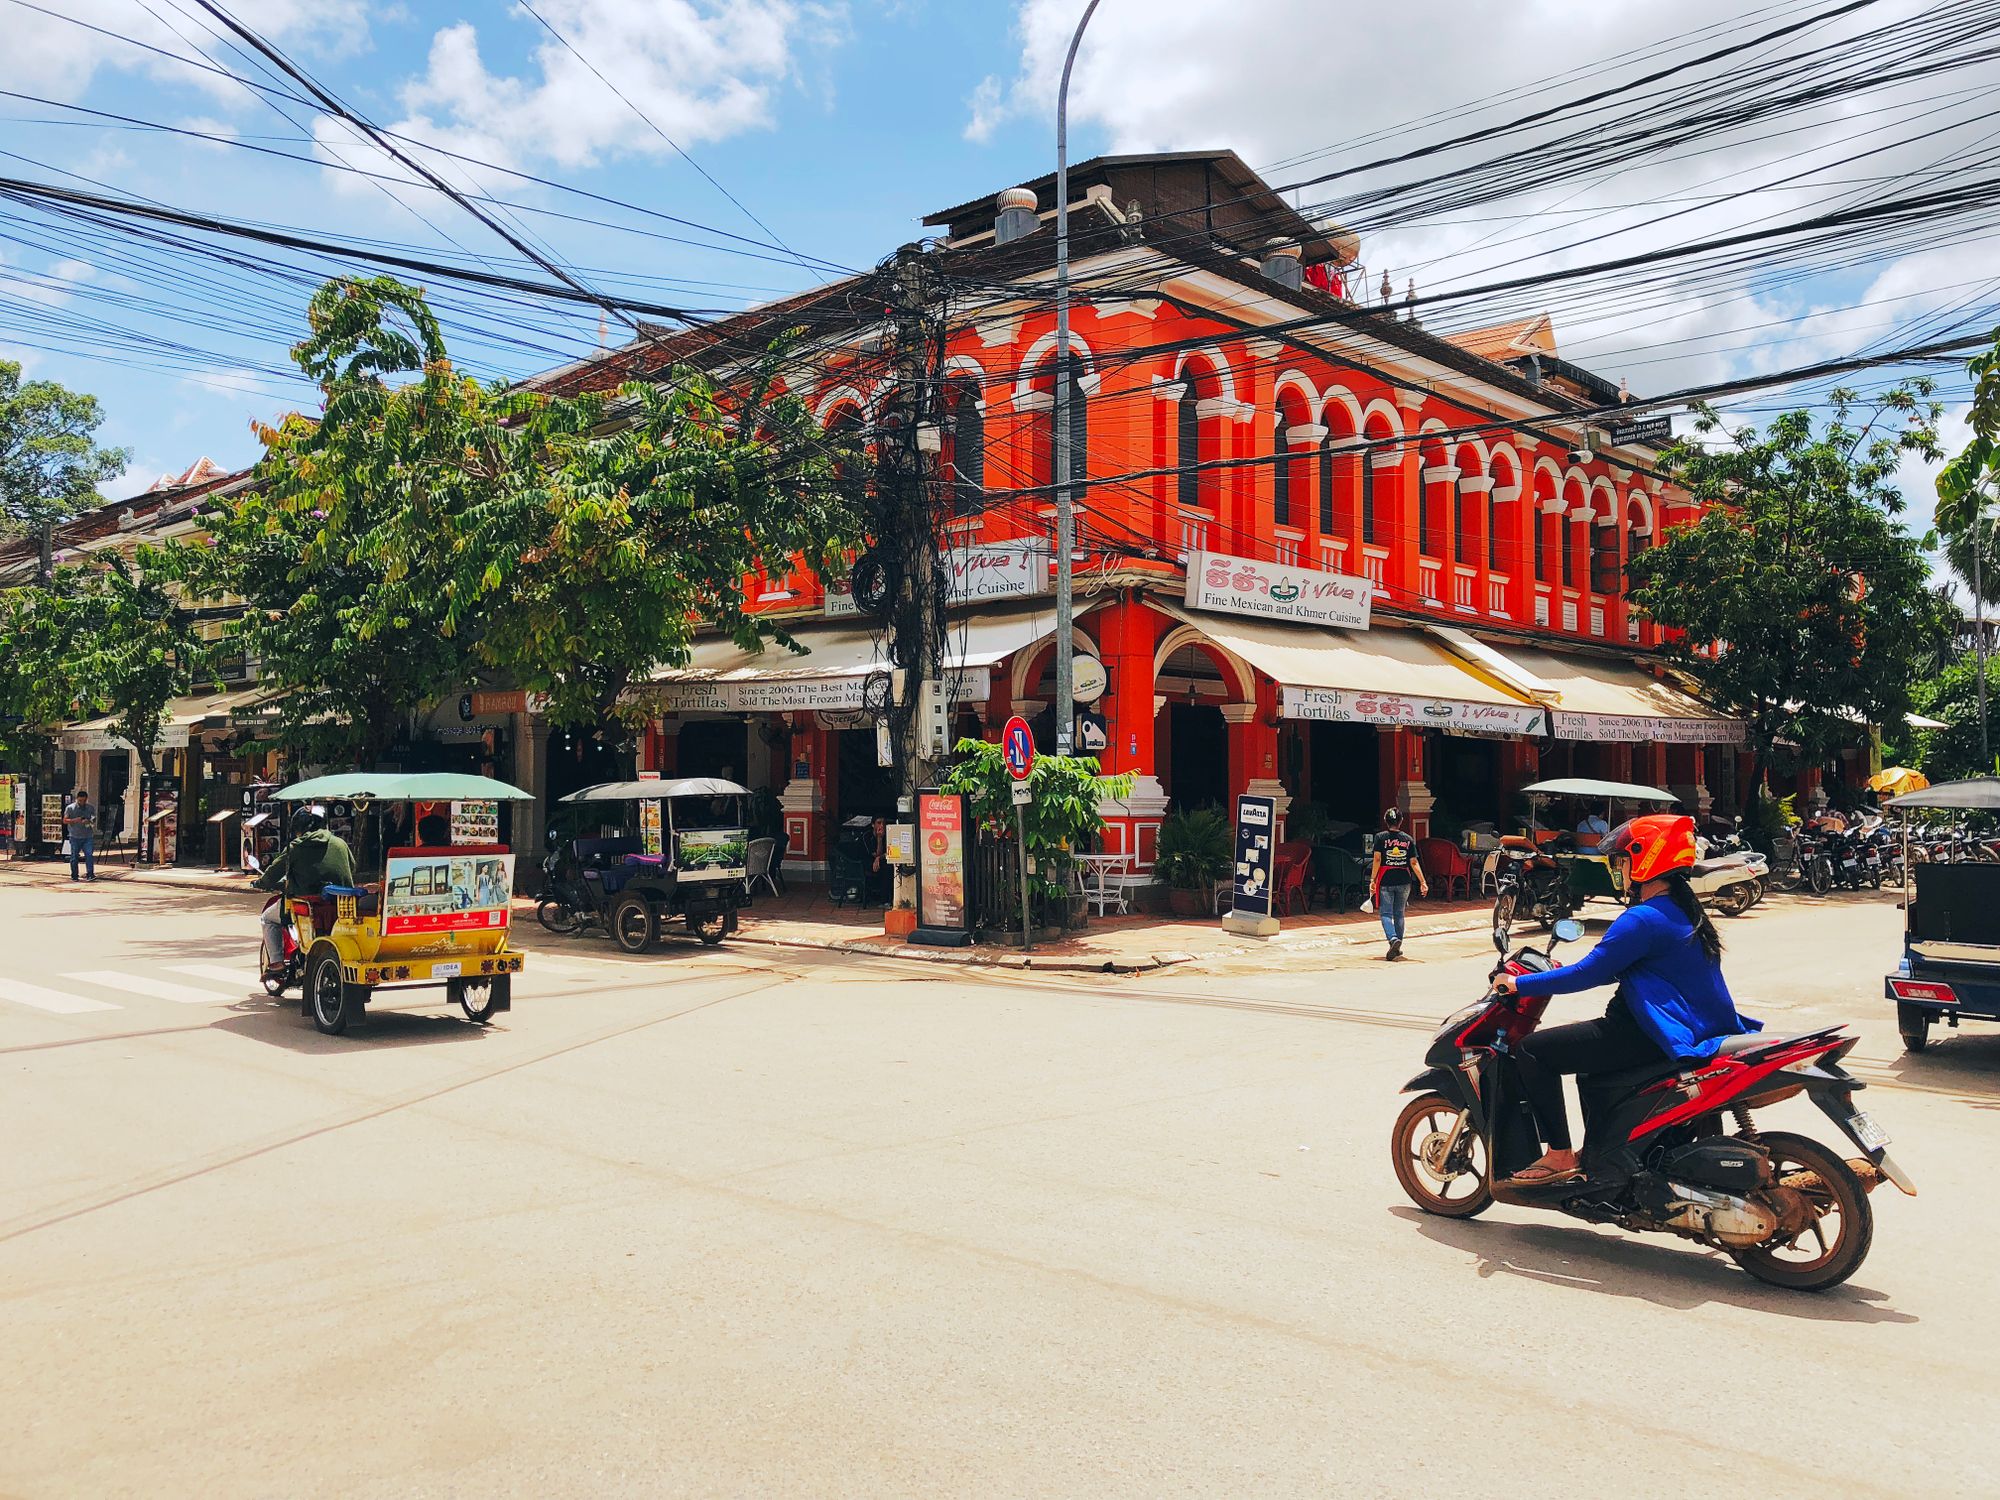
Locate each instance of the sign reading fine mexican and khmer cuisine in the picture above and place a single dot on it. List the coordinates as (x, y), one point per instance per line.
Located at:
(973, 575)
(1345, 707)
(1244, 586)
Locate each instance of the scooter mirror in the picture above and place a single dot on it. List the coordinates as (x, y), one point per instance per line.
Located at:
(1500, 938)
(1568, 930)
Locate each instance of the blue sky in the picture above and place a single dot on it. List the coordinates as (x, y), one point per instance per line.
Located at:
(838, 123)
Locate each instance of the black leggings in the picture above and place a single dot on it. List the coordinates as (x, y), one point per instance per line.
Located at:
(1610, 1044)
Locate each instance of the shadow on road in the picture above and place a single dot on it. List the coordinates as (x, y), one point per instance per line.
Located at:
(1623, 1266)
(279, 1024)
(1964, 1062)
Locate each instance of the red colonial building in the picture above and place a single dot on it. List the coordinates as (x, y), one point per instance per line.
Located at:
(1324, 552)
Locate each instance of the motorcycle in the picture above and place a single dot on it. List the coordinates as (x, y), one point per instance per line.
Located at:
(1530, 885)
(1729, 882)
(563, 905)
(1657, 1154)
(290, 972)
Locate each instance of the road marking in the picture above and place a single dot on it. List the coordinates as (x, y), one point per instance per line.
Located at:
(23, 993)
(243, 978)
(158, 989)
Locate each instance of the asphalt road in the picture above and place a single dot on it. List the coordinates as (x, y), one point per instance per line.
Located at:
(754, 1222)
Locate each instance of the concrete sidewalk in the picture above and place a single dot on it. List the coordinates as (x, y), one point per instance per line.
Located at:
(805, 918)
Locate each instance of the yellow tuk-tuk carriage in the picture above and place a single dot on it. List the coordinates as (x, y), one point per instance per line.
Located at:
(439, 911)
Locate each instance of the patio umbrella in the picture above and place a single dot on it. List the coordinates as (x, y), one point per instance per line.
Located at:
(1897, 780)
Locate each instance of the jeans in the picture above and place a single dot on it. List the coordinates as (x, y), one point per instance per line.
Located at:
(1610, 1044)
(86, 848)
(273, 922)
(1391, 902)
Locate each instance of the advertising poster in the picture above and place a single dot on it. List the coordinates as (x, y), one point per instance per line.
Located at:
(649, 827)
(711, 853)
(1252, 894)
(475, 822)
(446, 893)
(941, 862)
(52, 806)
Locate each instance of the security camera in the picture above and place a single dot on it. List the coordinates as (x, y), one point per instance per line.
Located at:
(1579, 455)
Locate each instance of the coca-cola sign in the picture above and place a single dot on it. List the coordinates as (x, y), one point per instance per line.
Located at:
(1245, 586)
(1346, 707)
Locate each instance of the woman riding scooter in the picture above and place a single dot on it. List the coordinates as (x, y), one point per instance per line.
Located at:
(1664, 955)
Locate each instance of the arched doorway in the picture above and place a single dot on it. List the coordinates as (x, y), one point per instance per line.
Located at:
(1191, 736)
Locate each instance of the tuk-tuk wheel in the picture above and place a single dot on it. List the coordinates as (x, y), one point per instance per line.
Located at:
(633, 925)
(478, 998)
(1915, 1025)
(326, 994)
(709, 929)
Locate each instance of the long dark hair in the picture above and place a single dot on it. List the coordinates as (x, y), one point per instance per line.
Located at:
(1690, 904)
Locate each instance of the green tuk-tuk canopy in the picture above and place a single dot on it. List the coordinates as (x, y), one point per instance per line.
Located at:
(417, 786)
(1583, 786)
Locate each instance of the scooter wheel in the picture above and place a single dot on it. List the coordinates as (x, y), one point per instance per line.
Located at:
(557, 916)
(1735, 901)
(1454, 1188)
(274, 985)
(1833, 1246)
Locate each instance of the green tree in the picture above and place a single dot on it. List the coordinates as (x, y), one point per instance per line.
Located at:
(1814, 597)
(1968, 484)
(1061, 817)
(427, 526)
(1953, 696)
(50, 464)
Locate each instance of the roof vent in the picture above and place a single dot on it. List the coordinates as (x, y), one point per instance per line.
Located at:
(1016, 217)
(1281, 264)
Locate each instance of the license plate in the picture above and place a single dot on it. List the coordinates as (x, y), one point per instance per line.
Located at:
(1871, 1135)
(445, 971)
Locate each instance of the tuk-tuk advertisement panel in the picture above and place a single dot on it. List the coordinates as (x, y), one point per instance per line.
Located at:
(712, 853)
(463, 892)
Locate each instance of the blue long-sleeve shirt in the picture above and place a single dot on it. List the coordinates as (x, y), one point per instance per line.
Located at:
(1674, 990)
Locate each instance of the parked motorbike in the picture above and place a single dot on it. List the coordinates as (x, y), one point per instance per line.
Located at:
(1530, 886)
(1658, 1156)
(1730, 884)
(563, 905)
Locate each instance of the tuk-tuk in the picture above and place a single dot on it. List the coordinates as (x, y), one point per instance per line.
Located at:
(1543, 876)
(1951, 925)
(438, 912)
(682, 852)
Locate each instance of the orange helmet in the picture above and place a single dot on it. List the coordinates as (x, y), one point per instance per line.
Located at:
(1654, 845)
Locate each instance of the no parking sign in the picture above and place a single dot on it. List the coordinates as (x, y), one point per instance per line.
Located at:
(1017, 744)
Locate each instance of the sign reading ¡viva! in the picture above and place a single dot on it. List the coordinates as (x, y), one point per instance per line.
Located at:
(1244, 586)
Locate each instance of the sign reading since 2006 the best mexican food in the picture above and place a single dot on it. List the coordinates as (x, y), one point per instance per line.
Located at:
(1245, 586)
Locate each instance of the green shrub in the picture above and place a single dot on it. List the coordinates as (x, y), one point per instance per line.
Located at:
(1196, 848)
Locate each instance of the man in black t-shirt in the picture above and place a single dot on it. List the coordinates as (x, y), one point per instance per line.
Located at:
(1396, 865)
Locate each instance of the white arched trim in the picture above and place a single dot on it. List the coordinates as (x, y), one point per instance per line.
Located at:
(1603, 486)
(1233, 666)
(1019, 679)
(1208, 354)
(879, 396)
(1335, 395)
(1041, 349)
(965, 364)
(1638, 497)
(1386, 410)
(1502, 456)
(1575, 476)
(1548, 466)
(840, 395)
(1430, 425)
(1477, 447)
(1294, 380)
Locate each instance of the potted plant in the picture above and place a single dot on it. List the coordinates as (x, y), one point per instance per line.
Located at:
(900, 920)
(1195, 849)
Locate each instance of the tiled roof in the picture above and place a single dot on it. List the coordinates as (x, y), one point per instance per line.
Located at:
(1536, 335)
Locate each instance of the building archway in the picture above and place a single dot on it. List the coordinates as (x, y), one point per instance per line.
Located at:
(1191, 738)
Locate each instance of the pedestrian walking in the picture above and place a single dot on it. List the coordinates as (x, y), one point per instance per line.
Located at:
(80, 833)
(1395, 866)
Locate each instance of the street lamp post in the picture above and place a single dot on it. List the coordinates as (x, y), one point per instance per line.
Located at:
(1065, 518)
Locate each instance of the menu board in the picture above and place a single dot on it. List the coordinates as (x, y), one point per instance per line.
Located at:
(446, 893)
(475, 822)
(1251, 891)
(649, 827)
(52, 825)
(941, 861)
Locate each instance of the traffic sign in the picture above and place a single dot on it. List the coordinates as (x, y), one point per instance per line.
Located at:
(1017, 744)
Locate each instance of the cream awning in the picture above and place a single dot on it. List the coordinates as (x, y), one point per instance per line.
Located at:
(1599, 698)
(1379, 676)
(833, 670)
(182, 715)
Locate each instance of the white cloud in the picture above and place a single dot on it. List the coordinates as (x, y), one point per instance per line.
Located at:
(63, 56)
(701, 70)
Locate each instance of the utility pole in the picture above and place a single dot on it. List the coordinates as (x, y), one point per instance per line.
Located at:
(1979, 518)
(908, 441)
(1059, 468)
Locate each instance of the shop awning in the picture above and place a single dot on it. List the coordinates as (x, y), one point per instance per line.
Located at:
(182, 716)
(838, 661)
(1379, 676)
(1599, 698)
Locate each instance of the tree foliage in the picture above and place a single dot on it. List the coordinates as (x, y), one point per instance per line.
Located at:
(427, 528)
(1953, 696)
(50, 463)
(1062, 817)
(1815, 597)
(1966, 485)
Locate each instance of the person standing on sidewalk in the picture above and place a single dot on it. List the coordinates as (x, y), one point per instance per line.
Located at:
(1396, 864)
(80, 832)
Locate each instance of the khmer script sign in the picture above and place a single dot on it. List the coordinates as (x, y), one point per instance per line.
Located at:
(1345, 707)
(1245, 586)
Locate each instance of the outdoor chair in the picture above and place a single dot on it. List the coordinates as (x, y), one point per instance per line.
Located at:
(1446, 867)
(757, 866)
(1340, 875)
(1294, 865)
(1489, 874)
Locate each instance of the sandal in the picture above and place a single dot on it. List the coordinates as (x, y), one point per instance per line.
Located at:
(1541, 1176)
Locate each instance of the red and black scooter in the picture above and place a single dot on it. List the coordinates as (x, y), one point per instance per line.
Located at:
(1670, 1149)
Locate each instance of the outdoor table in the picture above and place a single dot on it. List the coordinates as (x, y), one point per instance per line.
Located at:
(1097, 870)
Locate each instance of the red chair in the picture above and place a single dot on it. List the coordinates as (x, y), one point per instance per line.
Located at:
(1445, 867)
(1294, 865)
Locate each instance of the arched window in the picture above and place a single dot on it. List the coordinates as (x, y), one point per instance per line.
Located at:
(1291, 471)
(1198, 437)
(1368, 498)
(1187, 433)
(1281, 480)
(1326, 462)
(1607, 574)
(965, 448)
(1044, 434)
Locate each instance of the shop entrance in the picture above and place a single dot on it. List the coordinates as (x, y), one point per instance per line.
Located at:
(862, 789)
(1346, 771)
(1464, 776)
(1197, 756)
(114, 775)
(713, 747)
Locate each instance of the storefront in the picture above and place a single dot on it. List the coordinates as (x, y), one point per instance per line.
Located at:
(165, 814)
